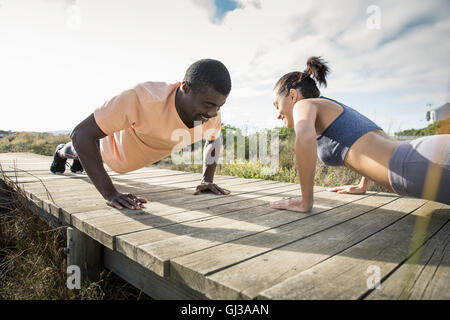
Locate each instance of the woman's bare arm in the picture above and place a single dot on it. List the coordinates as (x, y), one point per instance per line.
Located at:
(306, 156)
(364, 184)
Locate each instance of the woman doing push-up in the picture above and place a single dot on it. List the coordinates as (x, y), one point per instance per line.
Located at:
(342, 136)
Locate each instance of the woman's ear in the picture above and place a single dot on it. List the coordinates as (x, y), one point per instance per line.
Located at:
(294, 95)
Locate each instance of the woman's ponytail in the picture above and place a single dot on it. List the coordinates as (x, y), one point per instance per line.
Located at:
(315, 67)
(318, 68)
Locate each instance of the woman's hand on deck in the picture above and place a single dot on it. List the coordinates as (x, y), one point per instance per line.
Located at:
(357, 189)
(292, 205)
(209, 186)
(130, 201)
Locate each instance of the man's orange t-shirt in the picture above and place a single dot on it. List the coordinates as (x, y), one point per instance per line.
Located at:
(143, 126)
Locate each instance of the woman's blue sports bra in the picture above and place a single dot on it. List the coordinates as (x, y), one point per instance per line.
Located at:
(334, 143)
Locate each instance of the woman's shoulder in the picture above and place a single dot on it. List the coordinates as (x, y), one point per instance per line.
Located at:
(325, 104)
(327, 111)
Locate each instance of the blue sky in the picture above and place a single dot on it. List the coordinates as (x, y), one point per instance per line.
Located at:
(63, 58)
(224, 6)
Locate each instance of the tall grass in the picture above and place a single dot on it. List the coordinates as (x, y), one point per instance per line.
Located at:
(326, 176)
(32, 262)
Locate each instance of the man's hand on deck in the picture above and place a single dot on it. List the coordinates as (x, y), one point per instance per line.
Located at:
(209, 186)
(120, 200)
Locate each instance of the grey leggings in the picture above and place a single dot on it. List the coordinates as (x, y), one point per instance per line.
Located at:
(421, 168)
(69, 152)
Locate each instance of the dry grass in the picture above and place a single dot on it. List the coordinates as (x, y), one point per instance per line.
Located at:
(32, 262)
(36, 142)
(326, 176)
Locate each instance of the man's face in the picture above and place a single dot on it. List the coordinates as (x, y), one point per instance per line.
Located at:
(205, 103)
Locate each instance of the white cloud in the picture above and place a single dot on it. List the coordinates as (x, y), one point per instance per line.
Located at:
(255, 3)
(57, 76)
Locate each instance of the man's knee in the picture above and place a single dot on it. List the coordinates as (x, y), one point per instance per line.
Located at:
(68, 151)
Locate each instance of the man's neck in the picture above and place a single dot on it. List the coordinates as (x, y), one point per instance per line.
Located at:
(179, 107)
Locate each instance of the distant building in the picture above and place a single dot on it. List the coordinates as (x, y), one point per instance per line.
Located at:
(436, 114)
(4, 133)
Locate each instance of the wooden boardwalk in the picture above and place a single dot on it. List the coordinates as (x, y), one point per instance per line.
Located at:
(236, 247)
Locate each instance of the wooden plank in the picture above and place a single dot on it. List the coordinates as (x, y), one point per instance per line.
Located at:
(94, 201)
(154, 215)
(154, 247)
(86, 186)
(158, 194)
(20, 165)
(82, 181)
(19, 159)
(329, 210)
(38, 161)
(11, 168)
(167, 204)
(170, 195)
(83, 184)
(425, 275)
(23, 156)
(157, 255)
(127, 243)
(7, 155)
(38, 191)
(265, 270)
(43, 167)
(348, 275)
(30, 177)
(54, 202)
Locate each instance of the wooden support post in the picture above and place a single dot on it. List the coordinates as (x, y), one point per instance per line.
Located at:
(86, 253)
(4, 194)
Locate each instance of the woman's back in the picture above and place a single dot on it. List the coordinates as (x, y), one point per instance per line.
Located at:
(369, 154)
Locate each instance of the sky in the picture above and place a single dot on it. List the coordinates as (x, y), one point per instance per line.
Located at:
(61, 59)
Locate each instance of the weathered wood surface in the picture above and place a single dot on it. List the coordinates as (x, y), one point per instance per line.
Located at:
(238, 247)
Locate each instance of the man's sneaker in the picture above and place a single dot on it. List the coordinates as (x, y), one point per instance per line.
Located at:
(59, 164)
(76, 166)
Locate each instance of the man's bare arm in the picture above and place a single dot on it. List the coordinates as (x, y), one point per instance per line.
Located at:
(84, 139)
(211, 153)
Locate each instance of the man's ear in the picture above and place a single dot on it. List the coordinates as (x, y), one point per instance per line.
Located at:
(186, 86)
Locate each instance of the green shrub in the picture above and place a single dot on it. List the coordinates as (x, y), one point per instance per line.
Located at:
(36, 142)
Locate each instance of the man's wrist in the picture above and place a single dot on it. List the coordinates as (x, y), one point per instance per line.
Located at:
(206, 180)
(107, 194)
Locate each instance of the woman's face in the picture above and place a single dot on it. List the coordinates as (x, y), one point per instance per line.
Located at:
(284, 105)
